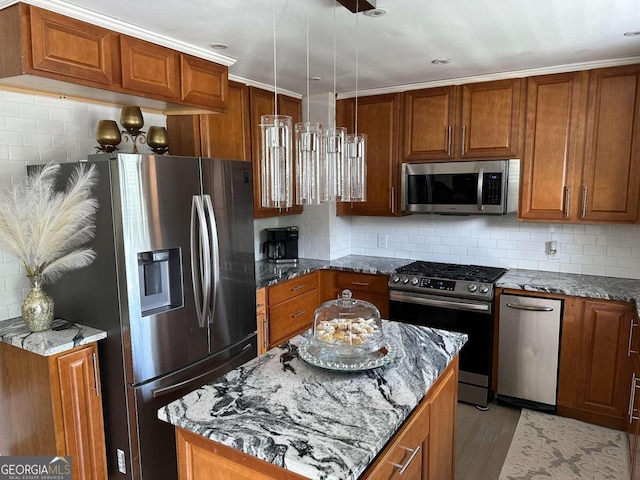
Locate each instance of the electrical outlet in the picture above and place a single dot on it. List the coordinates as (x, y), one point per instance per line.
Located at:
(551, 248)
(122, 466)
(382, 240)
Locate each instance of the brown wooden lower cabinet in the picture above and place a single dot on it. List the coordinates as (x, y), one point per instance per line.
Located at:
(262, 322)
(633, 424)
(425, 445)
(53, 406)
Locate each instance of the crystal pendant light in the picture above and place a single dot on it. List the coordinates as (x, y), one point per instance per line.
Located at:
(355, 160)
(309, 154)
(276, 165)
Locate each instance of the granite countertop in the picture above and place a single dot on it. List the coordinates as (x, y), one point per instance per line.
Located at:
(588, 286)
(62, 336)
(321, 424)
(270, 273)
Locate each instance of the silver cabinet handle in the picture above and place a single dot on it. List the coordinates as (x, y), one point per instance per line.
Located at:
(464, 134)
(449, 136)
(567, 198)
(531, 308)
(403, 467)
(634, 388)
(583, 213)
(629, 351)
(632, 395)
(96, 380)
(393, 199)
(297, 314)
(362, 284)
(293, 289)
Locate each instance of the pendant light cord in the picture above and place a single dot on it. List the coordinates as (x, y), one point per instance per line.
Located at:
(308, 101)
(275, 70)
(357, 57)
(334, 68)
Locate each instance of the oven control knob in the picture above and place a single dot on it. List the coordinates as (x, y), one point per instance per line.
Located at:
(414, 281)
(484, 289)
(405, 279)
(472, 287)
(395, 279)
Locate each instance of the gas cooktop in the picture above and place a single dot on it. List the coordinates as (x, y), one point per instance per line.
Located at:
(454, 280)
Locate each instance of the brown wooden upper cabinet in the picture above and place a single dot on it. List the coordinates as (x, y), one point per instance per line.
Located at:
(51, 48)
(220, 135)
(379, 119)
(261, 102)
(474, 121)
(582, 153)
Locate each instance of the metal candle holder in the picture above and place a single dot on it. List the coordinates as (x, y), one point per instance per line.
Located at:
(132, 121)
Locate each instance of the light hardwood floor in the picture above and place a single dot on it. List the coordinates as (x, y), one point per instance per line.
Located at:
(482, 440)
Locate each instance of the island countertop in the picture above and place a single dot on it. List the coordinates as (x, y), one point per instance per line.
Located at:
(321, 424)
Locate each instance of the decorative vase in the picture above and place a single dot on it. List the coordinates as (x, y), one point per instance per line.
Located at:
(37, 308)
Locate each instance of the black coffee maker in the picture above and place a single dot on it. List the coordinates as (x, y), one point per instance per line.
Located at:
(281, 245)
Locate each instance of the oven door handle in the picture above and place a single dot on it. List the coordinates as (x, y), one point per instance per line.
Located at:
(436, 302)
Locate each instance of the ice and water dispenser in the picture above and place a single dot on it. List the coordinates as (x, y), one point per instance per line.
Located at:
(160, 276)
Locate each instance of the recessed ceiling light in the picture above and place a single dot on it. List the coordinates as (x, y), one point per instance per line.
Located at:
(441, 61)
(632, 34)
(375, 12)
(219, 46)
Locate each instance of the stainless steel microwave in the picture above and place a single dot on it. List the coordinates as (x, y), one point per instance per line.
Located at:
(461, 188)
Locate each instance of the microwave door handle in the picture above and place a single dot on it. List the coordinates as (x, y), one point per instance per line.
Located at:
(480, 188)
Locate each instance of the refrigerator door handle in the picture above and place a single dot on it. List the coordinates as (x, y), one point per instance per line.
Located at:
(200, 256)
(215, 249)
(159, 392)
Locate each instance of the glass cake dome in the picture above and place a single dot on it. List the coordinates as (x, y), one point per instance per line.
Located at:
(347, 327)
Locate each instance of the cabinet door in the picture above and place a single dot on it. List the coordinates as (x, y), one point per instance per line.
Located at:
(261, 102)
(81, 402)
(602, 386)
(490, 121)
(69, 47)
(203, 83)
(228, 135)
(570, 343)
(149, 69)
(633, 424)
(378, 118)
(262, 326)
(429, 119)
(610, 189)
(553, 146)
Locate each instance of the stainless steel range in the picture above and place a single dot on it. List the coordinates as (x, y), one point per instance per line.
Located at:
(452, 297)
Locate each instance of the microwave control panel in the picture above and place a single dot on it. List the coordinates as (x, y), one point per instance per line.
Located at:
(491, 189)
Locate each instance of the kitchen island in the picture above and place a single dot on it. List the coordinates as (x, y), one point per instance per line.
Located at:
(280, 417)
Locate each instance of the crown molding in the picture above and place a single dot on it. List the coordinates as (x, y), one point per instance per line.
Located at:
(572, 67)
(105, 21)
(263, 86)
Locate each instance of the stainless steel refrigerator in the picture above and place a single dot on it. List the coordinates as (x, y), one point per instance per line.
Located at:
(173, 285)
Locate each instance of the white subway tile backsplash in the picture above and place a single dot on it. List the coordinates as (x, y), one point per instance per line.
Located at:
(37, 140)
(30, 154)
(9, 109)
(19, 124)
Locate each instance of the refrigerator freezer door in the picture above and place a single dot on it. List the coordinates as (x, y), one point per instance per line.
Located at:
(152, 440)
(227, 188)
(155, 205)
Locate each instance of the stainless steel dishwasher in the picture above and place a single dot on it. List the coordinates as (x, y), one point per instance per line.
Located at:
(528, 353)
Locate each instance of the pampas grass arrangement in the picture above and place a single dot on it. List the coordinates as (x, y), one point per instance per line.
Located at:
(44, 228)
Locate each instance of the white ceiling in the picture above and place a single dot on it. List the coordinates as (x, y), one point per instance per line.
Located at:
(479, 36)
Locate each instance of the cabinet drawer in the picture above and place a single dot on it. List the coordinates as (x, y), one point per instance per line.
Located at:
(291, 317)
(291, 288)
(370, 283)
(408, 449)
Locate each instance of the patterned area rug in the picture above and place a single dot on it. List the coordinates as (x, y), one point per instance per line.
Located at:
(548, 447)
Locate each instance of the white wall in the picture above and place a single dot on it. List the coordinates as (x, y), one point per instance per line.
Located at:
(35, 130)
